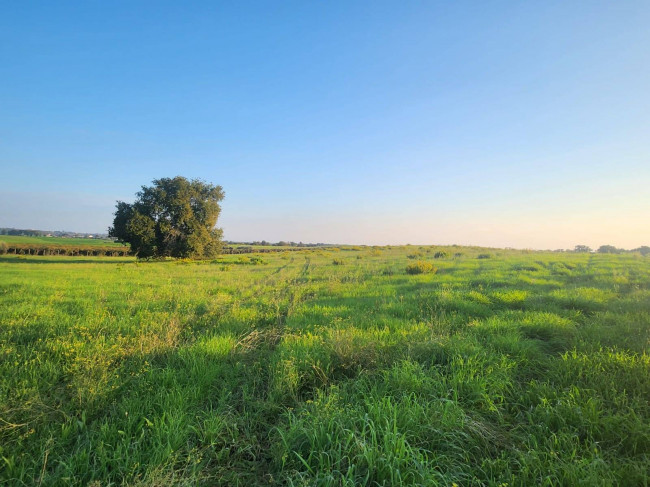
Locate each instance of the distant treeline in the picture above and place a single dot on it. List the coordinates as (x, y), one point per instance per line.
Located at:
(88, 250)
(28, 232)
(610, 249)
(250, 250)
(279, 244)
(70, 250)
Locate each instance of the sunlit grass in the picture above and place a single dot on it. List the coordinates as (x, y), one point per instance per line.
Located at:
(327, 367)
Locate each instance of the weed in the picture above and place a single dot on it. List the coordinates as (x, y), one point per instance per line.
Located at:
(420, 267)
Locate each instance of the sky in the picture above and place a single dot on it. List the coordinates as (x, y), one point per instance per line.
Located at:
(496, 123)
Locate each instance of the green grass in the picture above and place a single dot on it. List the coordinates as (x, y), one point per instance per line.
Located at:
(16, 239)
(524, 368)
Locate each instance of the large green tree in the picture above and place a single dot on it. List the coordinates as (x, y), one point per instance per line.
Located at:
(175, 217)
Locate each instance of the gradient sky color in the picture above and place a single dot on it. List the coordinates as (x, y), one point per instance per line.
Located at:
(521, 124)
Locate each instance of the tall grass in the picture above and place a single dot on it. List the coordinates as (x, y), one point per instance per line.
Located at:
(521, 369)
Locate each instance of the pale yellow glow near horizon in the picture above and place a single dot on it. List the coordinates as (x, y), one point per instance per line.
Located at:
(550, 232)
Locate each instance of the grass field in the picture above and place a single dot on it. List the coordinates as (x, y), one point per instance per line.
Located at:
(16, 239)
(326, 368)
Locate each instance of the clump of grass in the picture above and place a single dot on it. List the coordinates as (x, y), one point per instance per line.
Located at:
(421, 267)
(440, 255)
(253, 260)
(484, 256)
(338, 261)
(526, 267)
(414, 255)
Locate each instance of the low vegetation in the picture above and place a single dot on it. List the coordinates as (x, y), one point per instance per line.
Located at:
(521, 369)
(58, 241)
(67, 250)
(420, 267)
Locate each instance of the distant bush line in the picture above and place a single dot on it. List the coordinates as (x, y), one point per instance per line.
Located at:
(97, 251)
(250, 250)
(69, 250)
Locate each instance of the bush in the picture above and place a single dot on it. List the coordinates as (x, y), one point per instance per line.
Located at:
(338, 262)
(420, 267)
(414, 255)
(643, 250)
(252, 260)
(440, 255)
(484, 256)
(609, 249)
(3, 248)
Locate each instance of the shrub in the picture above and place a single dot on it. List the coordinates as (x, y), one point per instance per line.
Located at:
(643, 250)
(609, 249)
(440, 255)
(458, 254)
(414, 255)
(337, 261)
(3, 248)
(484, 256)
(250, 260)
(420, 267)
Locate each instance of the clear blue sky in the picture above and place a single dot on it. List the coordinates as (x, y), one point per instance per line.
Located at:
(522, 124)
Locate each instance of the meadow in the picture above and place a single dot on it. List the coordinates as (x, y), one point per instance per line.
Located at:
(326, 368)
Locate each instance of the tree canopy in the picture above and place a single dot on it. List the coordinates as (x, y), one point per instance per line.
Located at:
(175, 217)
(609, 249)
(582, 248)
